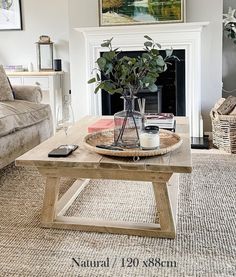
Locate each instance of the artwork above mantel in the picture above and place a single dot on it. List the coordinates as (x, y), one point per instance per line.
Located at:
(131, 12)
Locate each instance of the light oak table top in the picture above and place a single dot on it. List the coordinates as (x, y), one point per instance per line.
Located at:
(178, 161)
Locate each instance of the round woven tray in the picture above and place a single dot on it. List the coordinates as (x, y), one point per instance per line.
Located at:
(169, 141)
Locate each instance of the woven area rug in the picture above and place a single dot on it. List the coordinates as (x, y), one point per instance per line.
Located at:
(206, 233)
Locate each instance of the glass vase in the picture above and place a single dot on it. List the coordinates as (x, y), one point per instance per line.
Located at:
(128, 125)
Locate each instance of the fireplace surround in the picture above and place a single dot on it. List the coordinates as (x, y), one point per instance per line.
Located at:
(184, 36)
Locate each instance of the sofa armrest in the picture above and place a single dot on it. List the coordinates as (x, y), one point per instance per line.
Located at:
(28, 93)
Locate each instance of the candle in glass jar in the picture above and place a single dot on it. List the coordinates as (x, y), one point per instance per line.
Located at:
(149, 138)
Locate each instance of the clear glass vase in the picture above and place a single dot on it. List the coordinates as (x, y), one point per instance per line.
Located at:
(65, 119)
(128, 125)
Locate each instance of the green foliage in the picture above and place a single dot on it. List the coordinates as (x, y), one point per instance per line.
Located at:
(230, 30)
(127, 75)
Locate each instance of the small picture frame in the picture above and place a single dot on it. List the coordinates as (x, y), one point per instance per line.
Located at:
(132, 12)
(45, 56)
(10, 15)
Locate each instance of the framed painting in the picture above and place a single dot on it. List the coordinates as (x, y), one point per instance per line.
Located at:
(10, 15)
(127, 12)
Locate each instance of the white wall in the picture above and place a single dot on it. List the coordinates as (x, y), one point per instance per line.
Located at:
(81, 14)
(210, 10)
(55, 17)
(85, 14)
(229, 56)
(39, 18)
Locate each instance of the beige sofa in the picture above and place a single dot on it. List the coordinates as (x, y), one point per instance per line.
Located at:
(24, 123)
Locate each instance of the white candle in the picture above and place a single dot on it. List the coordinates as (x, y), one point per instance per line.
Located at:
(149, 141)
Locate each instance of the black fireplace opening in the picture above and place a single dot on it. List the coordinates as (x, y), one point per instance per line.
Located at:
(170, 94)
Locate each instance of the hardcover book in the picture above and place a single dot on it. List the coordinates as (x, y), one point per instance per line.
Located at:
(160, 118)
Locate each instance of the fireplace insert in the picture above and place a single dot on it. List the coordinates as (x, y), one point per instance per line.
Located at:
(170, 94)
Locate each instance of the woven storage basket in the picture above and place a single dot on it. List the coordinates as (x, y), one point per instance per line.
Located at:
(223, 130)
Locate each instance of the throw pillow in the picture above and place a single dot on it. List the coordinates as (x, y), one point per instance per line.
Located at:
(227, 106)
(5, 88)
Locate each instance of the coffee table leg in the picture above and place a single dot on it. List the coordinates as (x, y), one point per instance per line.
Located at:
(50, 200)
(164, 208)
(166, 201)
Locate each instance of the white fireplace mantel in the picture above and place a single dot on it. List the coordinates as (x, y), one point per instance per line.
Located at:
(185, 36)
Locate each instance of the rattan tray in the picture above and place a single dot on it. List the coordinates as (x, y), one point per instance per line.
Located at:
(169, 141)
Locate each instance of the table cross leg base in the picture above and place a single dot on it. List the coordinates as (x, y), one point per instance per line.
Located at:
(54, 210)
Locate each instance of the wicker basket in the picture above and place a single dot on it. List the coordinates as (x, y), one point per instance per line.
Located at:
(223, 130)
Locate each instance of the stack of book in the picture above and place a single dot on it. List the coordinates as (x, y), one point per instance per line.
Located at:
(162, 120)
(13, 68)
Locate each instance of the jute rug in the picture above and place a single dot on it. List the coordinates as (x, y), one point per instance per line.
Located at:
(206, 233)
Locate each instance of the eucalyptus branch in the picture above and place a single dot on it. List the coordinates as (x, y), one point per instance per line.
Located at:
(128, 75)
(142, 73)
(137, 89)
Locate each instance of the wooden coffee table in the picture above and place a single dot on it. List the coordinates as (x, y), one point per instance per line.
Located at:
(162, 171)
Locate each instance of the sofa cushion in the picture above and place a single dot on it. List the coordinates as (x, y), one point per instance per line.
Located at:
(28, 93)
(5, 88)
(18, 114)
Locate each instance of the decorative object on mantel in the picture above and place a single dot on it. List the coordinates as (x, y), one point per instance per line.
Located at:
(10, 16)
(44, 53)
(94, 142)
(126, 76)
(126, 12)
(229, 21)
(224, 127)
